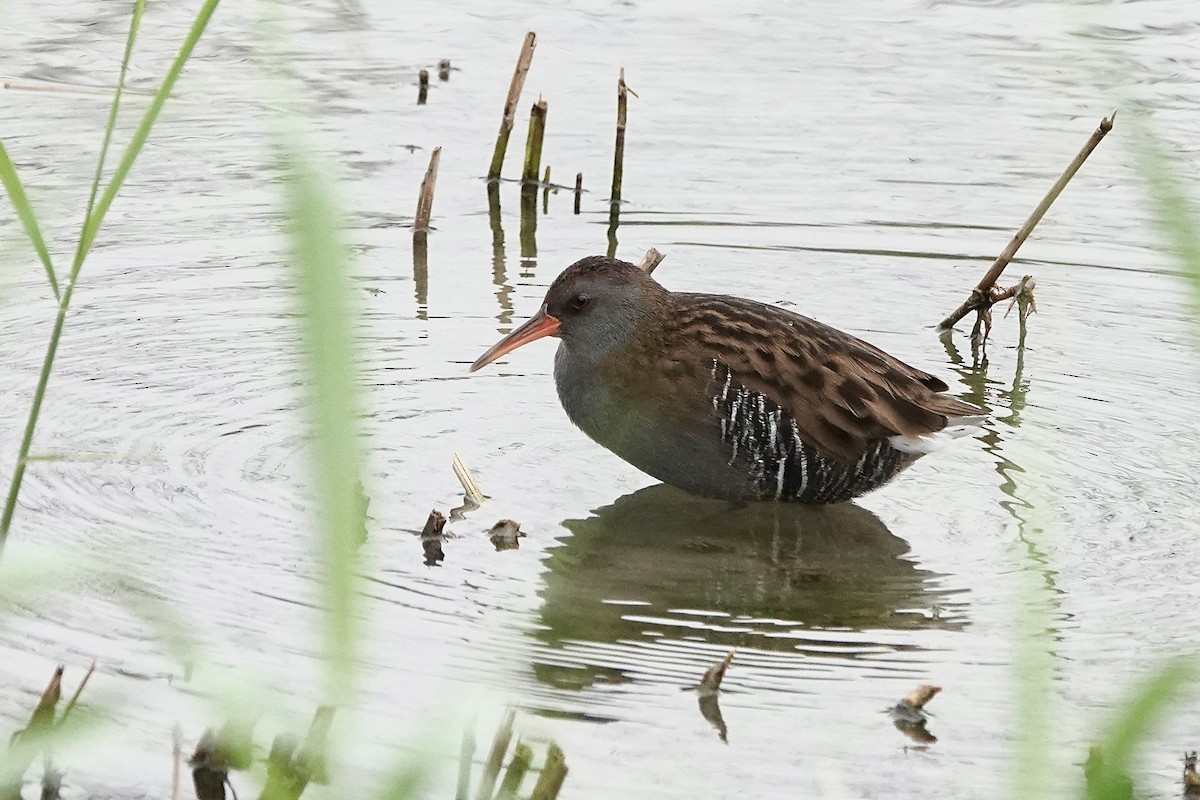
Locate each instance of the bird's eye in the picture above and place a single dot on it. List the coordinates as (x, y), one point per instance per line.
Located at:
(580, 302)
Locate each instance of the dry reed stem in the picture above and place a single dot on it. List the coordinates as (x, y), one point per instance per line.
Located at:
(981, 295)
(578, 190)
(921, 695)
(1191, 778)
(618, 175)
(554, 772)
(651, 260)
(518, 767)
(470, 487)
(422, 87)
(711, 682)
(491, 768)
(425, 197)
(524, 60)
(533, 142)
(75, 697)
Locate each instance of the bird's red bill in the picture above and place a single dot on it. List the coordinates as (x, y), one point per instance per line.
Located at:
(539, 325)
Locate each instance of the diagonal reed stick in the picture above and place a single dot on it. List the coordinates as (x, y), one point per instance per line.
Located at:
(524, 60)
(981, 295)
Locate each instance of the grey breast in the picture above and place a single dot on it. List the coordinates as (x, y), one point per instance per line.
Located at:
(691, 457)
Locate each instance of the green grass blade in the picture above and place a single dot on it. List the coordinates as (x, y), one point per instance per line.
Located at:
(92, 224)
(319, 257)
(1135, 719)
(20, 203)
(135, 22)
(1174, 214)
(91, 227)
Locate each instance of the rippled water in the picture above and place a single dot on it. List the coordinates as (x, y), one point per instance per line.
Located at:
(860, 166)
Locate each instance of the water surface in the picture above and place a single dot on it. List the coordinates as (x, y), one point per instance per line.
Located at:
(861, 167)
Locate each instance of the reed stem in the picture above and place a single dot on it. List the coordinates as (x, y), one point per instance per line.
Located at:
(980, 297)
(533, 142)
(524, 60)
(425, 196)
(422, 87)
(618, 175)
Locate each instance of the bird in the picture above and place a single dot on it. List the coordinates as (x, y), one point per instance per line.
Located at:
(730, 398)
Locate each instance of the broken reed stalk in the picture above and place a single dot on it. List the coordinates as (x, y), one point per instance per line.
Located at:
(496, 756)
(921, 695)
(623, 91)
(524, 60)
(431, 538)
(546, 190)
(470, 487)
(425, 197)
(70, 706)
(711, 682)
(444, 69)
(422, 87)
(533, 143)
(651, 260)
(982, 295)
(518, 767)
(554, 772)
(290, 768)
(578, 190)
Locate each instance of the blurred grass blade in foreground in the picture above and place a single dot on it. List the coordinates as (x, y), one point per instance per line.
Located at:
(318, 257)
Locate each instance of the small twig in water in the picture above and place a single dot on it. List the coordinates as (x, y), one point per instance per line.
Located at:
(578, 191)
(711, 682)
(506, 535)
(444, 69)
(909, 715)
(1191, 778)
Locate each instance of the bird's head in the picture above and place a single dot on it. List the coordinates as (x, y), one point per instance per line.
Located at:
(594, 307)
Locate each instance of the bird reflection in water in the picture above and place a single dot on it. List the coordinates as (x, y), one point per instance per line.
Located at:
(661, 565)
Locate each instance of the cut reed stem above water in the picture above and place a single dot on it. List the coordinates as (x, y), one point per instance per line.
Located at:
(533, 142)
(425, 196)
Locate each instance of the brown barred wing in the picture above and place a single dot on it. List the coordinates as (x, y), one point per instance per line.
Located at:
(765, 440)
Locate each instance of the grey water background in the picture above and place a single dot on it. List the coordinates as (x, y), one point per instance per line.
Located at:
(861, 164)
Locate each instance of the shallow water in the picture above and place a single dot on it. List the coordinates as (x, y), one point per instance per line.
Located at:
(862, 169)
